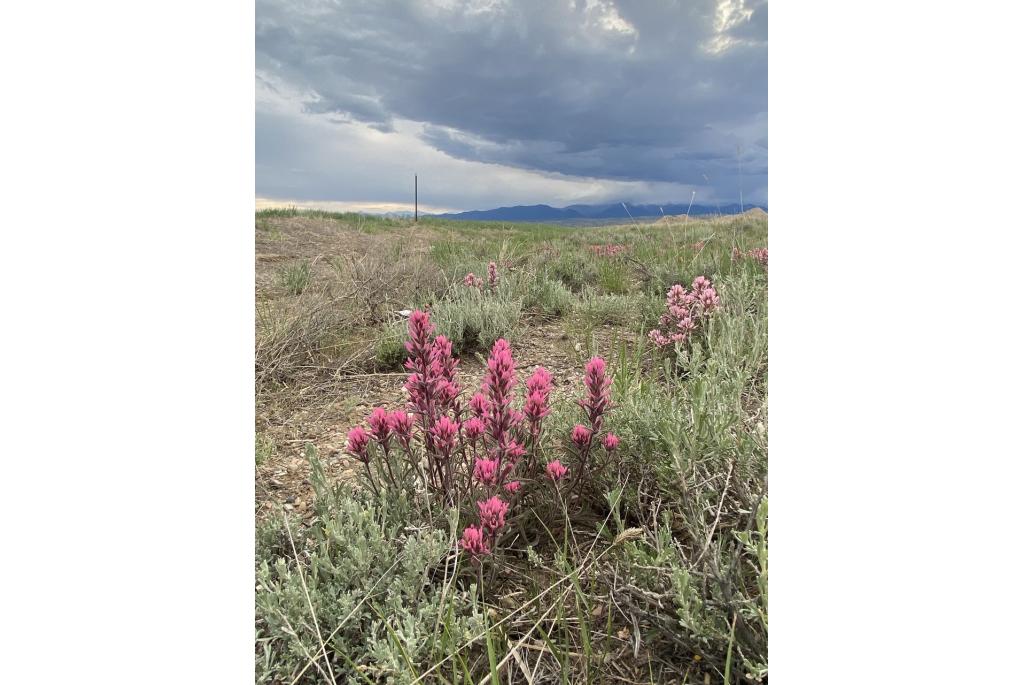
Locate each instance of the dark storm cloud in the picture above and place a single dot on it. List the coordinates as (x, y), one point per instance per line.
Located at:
(629, 90)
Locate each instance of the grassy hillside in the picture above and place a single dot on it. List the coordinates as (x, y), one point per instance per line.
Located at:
(647, 563)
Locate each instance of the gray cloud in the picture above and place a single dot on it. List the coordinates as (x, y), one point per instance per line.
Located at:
(626, 91)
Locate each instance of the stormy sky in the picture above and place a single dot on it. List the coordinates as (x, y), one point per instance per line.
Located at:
(510, 102)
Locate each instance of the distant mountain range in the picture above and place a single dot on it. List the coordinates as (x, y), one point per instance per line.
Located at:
(616, 210)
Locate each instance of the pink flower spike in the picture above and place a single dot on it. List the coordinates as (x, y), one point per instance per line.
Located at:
(492, 514)
(474, 543)
(478, 404)
(444, 433)
(512, 487)
(492, 275)
(611, 441)
(556, 471)
(598, 398)
(485, 471)
(379, 424)
(358, 440)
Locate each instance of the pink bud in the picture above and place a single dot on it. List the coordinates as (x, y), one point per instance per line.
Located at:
(611, 441)
(379, 425)
(581, 435)
(556, 471)
(512, 487)
(358, 439)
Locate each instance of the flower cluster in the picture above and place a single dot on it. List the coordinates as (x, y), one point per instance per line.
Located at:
(486, 451)
(471, 280)
(759, 255)
(686, 312)
(608, 250)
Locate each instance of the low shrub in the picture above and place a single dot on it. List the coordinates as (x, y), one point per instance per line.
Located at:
(355, 595)
(549, 298)
(597, 309)
(474, 319)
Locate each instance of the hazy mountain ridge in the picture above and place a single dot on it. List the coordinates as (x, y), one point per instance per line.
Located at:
(616, 210)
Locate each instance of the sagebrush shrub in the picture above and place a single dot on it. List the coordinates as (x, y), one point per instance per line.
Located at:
(362, 579)
(475, 319)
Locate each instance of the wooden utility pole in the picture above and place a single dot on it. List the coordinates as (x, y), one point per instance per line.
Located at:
(416, 196)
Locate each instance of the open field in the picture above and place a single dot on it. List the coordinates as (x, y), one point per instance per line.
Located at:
(651, 568)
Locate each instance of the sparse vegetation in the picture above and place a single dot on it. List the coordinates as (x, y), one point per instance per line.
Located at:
(391, 557)
(294, 278)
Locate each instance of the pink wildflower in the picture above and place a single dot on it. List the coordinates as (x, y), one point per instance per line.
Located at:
(401, 425)
(499, 382)
(492, 275)
(422, 382)
(485, 471)
(598, 398)
(611, 441)
(446, 364)
(492, 514)
(556, 471)
(472, 281)
(473, 428)
(420, 330)
(538, 389)
(474, 543)
(358, 440)
(515, 450)
(686, 312)
(478, 404)
(512, 487)
(581, 436)
(709, 299)
(444, 433)
(380, 426)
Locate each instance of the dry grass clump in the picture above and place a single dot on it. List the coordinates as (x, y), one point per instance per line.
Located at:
(302, 334)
